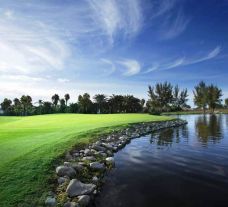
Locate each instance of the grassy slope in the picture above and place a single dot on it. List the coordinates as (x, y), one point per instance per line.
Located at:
(28, 145)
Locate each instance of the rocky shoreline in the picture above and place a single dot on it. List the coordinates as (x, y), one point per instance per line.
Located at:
(80, 177)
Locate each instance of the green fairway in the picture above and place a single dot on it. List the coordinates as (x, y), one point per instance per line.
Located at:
(28, 145)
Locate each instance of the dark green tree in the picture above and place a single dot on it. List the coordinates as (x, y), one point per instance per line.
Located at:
(100, 100)
(62, 107)
(17, 107)
(85, 104)
(160, 97)
(214, 95)
(226, 102)
(26, 102)
(6, 106)
(201, 96)
(67, 98)
(55, 100)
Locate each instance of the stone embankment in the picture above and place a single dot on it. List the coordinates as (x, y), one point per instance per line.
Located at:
(80, 177)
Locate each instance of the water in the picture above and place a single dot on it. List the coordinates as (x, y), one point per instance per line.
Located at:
(181, 167)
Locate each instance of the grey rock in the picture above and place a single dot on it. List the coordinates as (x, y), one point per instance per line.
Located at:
(107, 145)
(99, 148)
(88, 152)
(89, 158)
(61, 180)
(78, 167)
(95, 180)
(50, 201)
(110, 160)
(83, 200)
(76, 188)
(64, 170)
(97, 166)
(70, 204)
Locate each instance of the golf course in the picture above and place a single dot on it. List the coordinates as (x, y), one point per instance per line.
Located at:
(30, 145)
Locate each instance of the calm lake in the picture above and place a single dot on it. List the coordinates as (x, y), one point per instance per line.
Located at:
(181, 167)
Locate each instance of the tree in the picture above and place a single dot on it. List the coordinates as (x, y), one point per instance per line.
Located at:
(67, 98)
(213, 97)
(131, 104)
(84, 102)
(62, 105)
(100, 100)
(17, 107)
(73, 108)
(160, 97)
(179, 98)
(201, 96)
(226, 102)
(55, 99)
(116, 103)
(6, 105)
(47, 108)
(142, 102)
(26, 102)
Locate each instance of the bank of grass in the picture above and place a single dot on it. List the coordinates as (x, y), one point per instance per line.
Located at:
(29, 145)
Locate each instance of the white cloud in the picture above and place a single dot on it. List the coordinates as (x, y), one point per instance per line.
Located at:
(63, 80)
(132, 67)
(110, 16)
(174, 26)
(27, 48)
(184, 61)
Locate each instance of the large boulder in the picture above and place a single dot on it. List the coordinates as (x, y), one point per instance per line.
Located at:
(77, 188)
(65, 171)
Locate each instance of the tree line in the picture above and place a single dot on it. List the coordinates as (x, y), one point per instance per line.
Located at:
(99, 104)
(163, 97)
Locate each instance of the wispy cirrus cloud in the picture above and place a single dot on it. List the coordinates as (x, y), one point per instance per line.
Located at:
(110, 17)
(184, 61)
(132, 67)
(174, 26)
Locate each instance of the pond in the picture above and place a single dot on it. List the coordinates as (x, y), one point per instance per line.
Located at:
(185, 166)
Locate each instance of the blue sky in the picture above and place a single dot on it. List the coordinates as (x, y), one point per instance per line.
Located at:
(110, 46)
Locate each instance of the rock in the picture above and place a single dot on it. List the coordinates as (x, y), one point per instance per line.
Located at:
(66, 164)
(50, 201)
(64, 170)
(84, 200)
(76, 188)
(97, 166)
(77, 166)
(107, 145)
(61, 180)
(95, 180)
(89, 158)
(88, 152)
(99, 148)
(70, 204)
(110, 160)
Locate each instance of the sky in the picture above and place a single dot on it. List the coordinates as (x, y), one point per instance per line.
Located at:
(110, 46)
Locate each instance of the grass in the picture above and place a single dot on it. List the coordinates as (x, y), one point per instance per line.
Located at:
(30, 145)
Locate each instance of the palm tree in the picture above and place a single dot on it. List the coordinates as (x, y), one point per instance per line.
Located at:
(84, 103)
(100, 99)
(55, 99)
(67, 97)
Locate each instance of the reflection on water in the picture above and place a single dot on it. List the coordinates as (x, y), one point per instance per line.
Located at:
(209, 128)
(182, 167)
(167, 136)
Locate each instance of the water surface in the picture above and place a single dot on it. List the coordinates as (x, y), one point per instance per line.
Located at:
(180, 167)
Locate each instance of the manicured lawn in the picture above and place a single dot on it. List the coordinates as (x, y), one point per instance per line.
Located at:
(29, 145)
